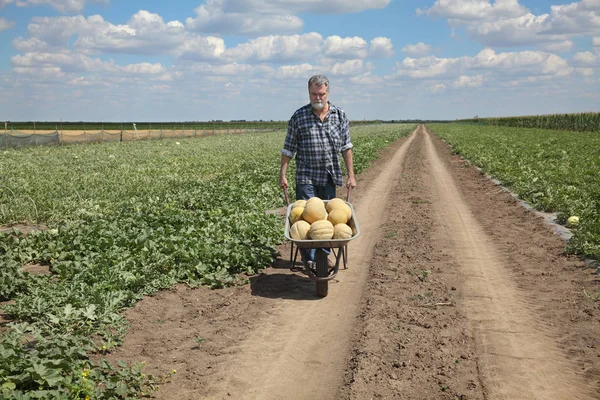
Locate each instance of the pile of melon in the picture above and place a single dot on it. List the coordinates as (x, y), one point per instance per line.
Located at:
(313, 219)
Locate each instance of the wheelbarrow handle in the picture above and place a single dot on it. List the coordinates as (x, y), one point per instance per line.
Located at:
(348, 194)
(287, 197)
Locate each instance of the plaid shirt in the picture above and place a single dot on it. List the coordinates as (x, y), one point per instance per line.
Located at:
(317, 144)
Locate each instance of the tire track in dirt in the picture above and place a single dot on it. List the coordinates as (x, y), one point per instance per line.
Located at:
(517, 356)
(300, 349)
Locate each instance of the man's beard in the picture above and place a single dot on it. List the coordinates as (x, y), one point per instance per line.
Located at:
(318, 105)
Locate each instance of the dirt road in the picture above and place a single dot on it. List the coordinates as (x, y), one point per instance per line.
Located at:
(453, 291)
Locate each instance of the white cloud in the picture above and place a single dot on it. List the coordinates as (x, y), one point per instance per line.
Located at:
(57, 31)
(5, 24)
(303, 6)
(507, 23)
(586, 58)
(277, 49)
(67, 61)
(350, 67)
(381, 47)
(468, 81)
(575, 18)
(257, 17)
(367, 78)
(47, 75)
(148, 34)
(596, 41)
(474, 10)
(438, 87)
(5, 2)
(559, 47)
(345, 48)
(201, 48)
(585, 71)
(523, 63)
(64, 6)
(212, 18)
(29, 45)
(417, 50)
(294, 71)
(429, 67)
(144, 33)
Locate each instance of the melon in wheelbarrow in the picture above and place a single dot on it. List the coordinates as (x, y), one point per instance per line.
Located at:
(299, 231)
(321, 230)
(314, 211)
(342, 231)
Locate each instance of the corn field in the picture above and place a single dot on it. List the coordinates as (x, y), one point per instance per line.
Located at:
(581, 122)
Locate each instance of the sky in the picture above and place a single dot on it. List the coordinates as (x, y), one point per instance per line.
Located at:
(203, 60)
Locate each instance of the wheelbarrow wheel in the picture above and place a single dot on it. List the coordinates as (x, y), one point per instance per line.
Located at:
(322, 271)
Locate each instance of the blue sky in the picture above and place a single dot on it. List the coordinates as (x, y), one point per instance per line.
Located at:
(108, 60)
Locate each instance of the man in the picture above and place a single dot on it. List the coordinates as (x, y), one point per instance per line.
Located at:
(317, 134)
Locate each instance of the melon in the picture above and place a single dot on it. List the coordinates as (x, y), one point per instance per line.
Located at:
(315, 199)
(299, 203)
(314, 211)
(334, 203)
(573, 222)
(337, 216)
(321, 230)
(299, 231)
(346, 208)
(296, 214)
(342, 231)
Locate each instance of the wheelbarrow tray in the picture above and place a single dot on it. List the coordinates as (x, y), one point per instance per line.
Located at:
(331, 243)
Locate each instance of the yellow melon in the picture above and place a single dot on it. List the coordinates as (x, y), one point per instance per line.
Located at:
(321, 230)
(337, 216)
(314, 211)
(346, 208)
(315, 199)
(334, 203)
(296, 214)
(299, 231)
(342, 231)
(299, 203)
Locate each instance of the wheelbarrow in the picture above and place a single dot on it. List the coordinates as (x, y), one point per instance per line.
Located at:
(320, 272)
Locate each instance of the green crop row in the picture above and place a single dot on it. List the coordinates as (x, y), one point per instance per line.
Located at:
(580, 122)
(95, 126)
(125, 220)
(554, 171)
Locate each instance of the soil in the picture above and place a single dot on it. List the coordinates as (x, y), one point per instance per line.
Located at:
(453, 291)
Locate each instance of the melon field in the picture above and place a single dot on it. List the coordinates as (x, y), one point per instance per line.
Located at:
(123, 221)
(157, 269)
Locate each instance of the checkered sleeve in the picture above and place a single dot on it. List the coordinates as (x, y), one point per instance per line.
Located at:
(345, 129)
(290, 145)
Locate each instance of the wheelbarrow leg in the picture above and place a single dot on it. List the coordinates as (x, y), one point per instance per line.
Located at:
(293, 257)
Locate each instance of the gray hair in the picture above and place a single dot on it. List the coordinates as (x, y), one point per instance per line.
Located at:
(319, 80)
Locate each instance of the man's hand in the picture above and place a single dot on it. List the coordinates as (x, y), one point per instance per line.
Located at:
(351, 184)
(283, 183)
